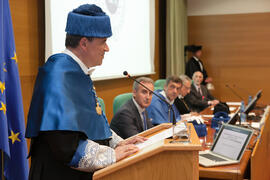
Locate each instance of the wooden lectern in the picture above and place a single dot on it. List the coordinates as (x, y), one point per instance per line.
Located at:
(260, 160)
(162, 160)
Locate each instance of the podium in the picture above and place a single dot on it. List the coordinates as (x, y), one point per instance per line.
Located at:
(260, 160)
(162, 160)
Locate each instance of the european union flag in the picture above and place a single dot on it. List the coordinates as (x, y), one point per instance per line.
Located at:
(12, 125)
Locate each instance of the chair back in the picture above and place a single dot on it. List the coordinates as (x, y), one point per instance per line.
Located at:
(159, 84)
(120, 100)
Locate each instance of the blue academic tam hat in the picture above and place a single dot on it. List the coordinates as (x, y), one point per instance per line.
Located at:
(88, 20)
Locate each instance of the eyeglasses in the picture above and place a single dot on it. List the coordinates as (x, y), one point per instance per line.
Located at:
(187, 88)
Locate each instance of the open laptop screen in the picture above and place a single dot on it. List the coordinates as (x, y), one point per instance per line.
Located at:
(231, 141)
(252, 104)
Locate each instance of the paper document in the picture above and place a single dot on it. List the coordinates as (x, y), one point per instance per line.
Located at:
(233, 103)
(231, 108)
(255, 125)
(161, 136)
(208, 115)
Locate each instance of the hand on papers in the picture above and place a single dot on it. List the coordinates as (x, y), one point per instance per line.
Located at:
(214, 102)
(132, 140)
(194, 114)
(125, 150)
(127, 147)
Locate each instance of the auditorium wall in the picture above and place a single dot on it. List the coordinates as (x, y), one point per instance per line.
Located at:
(29, 24)
(236, 45)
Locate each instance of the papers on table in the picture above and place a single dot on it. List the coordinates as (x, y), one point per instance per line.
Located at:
(208, 115)
(233, 103)
(162, 135)
(256, 125)
(231, 108)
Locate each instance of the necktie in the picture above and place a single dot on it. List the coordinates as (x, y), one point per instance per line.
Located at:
(144, 121)
(199, 91)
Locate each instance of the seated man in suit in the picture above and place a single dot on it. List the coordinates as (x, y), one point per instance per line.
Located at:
(199, 97)
(132, 118)
(179, 102)
(159, 110)
(195, 64)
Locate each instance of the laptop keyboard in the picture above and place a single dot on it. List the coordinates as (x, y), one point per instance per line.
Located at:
(212, 157)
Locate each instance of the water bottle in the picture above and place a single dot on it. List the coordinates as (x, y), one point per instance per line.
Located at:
(243, 116)
(249, 99)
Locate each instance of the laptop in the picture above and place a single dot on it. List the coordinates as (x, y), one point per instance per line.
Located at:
(228, 148)
(252, 103)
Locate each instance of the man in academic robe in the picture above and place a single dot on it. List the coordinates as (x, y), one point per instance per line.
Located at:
(195, 64)
(159, 111)
(199, 97)
(179, 102)
(70, 135)
(132, 118)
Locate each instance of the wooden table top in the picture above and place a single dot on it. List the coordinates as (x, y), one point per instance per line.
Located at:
(235, 171)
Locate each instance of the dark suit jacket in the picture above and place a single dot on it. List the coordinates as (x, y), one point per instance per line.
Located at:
(127, 121)
(192, 66)
(196, 101)
(182, 106)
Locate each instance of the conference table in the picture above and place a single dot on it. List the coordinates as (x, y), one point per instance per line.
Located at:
(167, 159)
(235, 171)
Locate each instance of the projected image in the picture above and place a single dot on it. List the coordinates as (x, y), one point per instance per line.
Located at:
(131, 45)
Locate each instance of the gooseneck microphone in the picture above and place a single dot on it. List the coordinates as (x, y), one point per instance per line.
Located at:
(241, 89)
(125, 73)
(229, 87)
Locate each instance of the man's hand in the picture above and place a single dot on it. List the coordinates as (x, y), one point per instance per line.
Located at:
(215, 102)
(194, 114)
(125, 150)
(133, 140)
(208, 80)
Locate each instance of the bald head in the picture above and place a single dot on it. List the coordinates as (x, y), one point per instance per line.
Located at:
(197, 78)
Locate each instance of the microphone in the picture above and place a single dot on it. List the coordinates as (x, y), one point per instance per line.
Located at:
(236, 94)
(125, 73)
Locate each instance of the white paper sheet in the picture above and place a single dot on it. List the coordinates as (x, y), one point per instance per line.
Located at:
(233, 103)
(161, 136)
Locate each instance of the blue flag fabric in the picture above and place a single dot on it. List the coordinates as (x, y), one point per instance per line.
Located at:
(12, 124)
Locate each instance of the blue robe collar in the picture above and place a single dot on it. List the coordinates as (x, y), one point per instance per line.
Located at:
(64, 99)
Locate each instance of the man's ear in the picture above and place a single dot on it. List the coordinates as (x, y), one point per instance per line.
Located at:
(134, 92)
(83, 42)
(165, 87)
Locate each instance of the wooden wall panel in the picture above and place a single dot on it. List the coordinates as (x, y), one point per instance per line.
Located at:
(29, 31)
(28, 25)
(235, 52)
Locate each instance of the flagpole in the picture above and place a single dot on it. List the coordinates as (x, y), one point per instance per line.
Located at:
(2, 163)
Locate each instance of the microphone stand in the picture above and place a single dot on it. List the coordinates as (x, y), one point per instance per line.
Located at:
(173, 120)
(227, 86)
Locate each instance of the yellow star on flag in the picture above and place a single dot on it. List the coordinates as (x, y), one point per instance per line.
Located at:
(15, 57)
(14, 137)
(3, 107)
(5, 70)
(2, 86)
